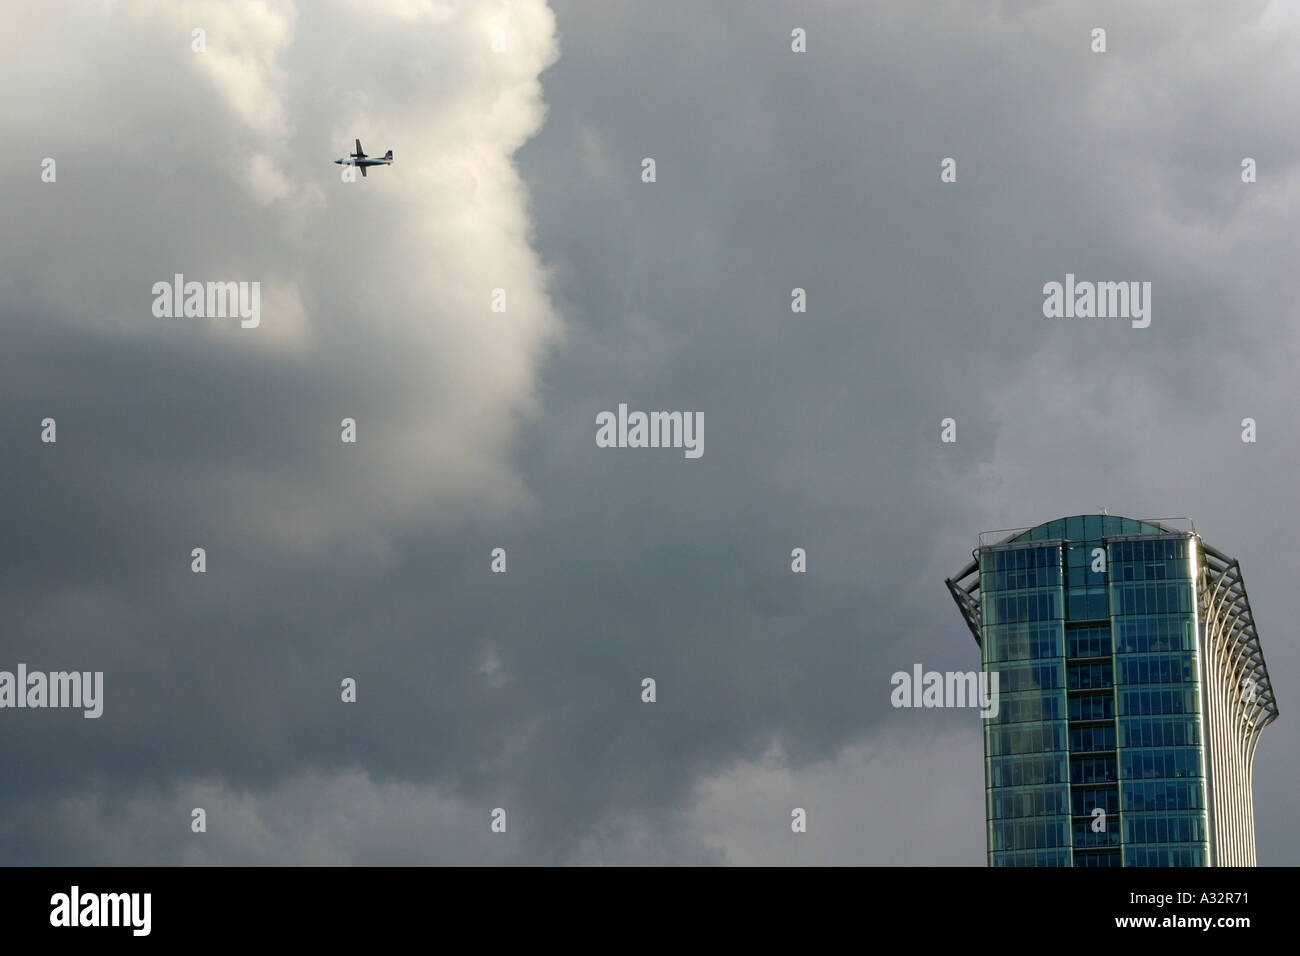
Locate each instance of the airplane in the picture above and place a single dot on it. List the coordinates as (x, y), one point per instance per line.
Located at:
(360, 160)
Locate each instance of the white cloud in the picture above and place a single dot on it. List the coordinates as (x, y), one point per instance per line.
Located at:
(884, 803)
(219, 165)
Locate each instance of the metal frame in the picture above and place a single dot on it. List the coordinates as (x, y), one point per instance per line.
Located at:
(965, 594)
(1236, 714)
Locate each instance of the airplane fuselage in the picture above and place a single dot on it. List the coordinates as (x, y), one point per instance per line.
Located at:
(359, 158)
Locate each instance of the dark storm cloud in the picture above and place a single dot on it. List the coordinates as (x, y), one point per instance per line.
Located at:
(521, 690)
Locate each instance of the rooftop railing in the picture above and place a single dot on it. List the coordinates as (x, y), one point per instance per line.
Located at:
(1174, 525)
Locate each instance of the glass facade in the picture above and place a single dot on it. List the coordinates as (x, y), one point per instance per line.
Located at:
(1158, 703)
(1026, 745)
(1097, 755)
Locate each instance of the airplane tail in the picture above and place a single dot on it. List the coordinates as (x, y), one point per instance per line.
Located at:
(388, 155)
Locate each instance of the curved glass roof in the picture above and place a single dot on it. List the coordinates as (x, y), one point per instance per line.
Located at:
(1090, 527)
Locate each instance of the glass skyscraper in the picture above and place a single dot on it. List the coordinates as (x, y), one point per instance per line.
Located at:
(1132, 692)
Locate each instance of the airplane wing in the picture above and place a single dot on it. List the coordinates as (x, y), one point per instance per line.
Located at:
(363, 172)
(360, 154)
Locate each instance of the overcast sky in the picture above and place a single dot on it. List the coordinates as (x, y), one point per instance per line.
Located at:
(522, 170)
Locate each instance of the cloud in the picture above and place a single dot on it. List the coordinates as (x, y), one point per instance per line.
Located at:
(898, 801)
(308, 819)
(520, 171)
(221, 170)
